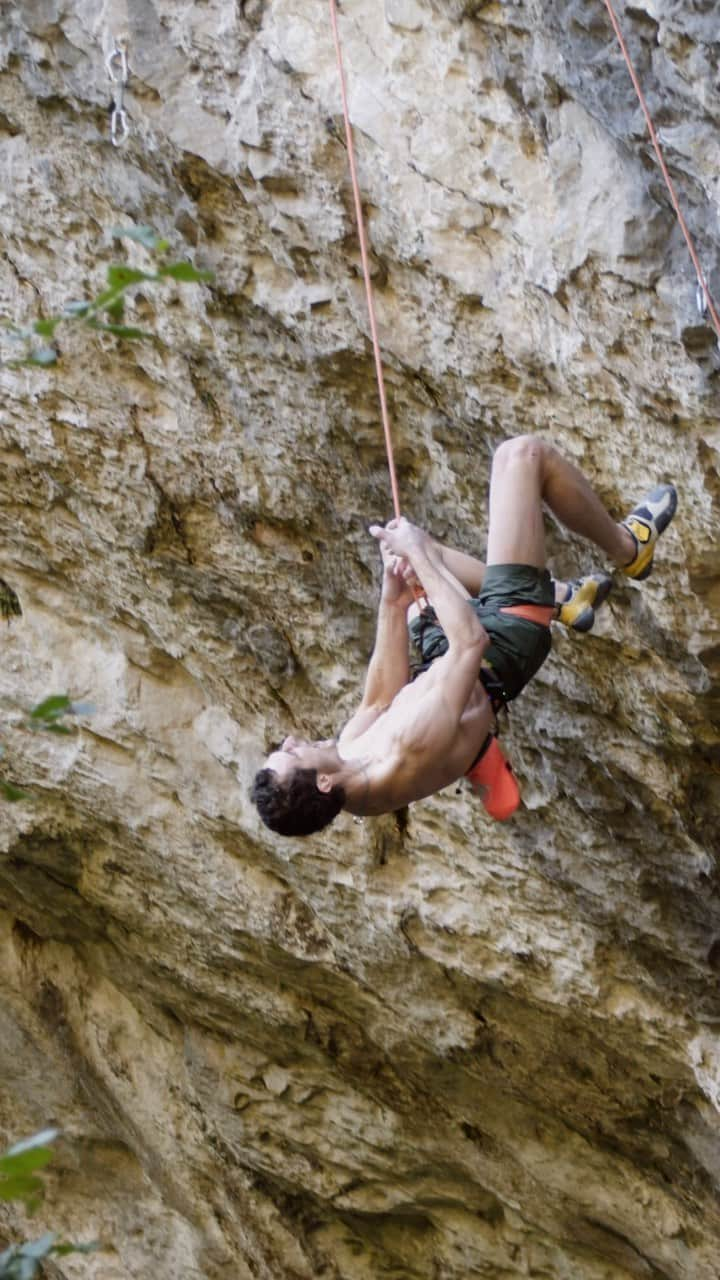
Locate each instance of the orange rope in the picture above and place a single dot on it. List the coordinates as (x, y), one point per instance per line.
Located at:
(668, 180)
(366, 265)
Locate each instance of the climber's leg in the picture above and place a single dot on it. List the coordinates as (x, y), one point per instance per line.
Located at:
(576, 600)
(526, 472)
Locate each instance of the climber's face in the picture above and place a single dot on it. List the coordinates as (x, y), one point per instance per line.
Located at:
(298, 753)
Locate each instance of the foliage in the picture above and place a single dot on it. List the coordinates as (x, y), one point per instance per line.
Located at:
(47, 717)
(48, 714)
(19, 1167)
(9, 604)
(105, 312)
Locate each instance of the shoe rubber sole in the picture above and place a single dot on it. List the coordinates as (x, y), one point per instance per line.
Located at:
(587, 594)
(646, 522)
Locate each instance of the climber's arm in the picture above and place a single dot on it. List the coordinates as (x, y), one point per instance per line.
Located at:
(389, 667)
(465, 572)
(445, 592)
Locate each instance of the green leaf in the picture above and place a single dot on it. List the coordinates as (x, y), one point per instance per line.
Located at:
(30, 1153)
(186, 272)
(39, 1248)
(121, 330)
(144, 235)
(120, 276)
(116, 310)
(16, 1163)
(58, 704)
(107, 300)
(76, 308)
(27, 1268)
(11, 793)
(60, 1250)
(46, 328)
(52, 726)
(41, 1139)
(22, 1187)
(11, 1266)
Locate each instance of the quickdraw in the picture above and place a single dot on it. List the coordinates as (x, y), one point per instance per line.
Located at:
(116, 65)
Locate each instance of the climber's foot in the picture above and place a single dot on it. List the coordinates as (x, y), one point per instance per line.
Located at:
(583, 596)
(645, 524)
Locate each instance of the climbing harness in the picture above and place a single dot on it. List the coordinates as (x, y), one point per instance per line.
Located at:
(116, 65)
(703, 299)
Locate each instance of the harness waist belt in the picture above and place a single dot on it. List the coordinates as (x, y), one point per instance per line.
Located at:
(543, 614)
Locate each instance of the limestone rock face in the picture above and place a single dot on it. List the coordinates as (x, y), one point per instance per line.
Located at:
(464, 1049)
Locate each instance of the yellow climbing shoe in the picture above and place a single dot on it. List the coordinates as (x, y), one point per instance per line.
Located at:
(646, 522)
(584, 596)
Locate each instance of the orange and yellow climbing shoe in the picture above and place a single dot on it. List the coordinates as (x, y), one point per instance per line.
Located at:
(646, 522)
(584, 596)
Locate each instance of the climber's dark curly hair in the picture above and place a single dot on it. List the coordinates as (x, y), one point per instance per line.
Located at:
(295, 807)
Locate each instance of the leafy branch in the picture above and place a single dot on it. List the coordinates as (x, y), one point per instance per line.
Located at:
(9, 603)
(47, 717)
(19, 1167)
(106, 312)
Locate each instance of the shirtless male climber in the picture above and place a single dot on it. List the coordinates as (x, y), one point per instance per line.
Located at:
(486, 635)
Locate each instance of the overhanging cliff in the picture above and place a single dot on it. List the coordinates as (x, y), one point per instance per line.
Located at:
(462, 1050)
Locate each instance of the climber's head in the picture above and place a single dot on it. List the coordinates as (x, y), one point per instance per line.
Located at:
(299, 790)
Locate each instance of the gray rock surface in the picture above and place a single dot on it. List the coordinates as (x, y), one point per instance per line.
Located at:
(460, 1050)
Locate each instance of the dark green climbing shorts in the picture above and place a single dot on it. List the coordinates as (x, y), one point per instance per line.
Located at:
(518, 647)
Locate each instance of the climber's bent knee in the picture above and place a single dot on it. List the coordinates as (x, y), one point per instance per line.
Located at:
(516, 534)
(521, 451)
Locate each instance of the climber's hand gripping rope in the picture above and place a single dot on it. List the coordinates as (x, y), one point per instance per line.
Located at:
(398, 579)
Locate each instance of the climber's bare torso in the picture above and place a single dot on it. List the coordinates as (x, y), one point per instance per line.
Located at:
(417, 745)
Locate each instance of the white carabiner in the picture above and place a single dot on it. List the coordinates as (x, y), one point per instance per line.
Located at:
(701, 301)
(117, 57)
(119, 128)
